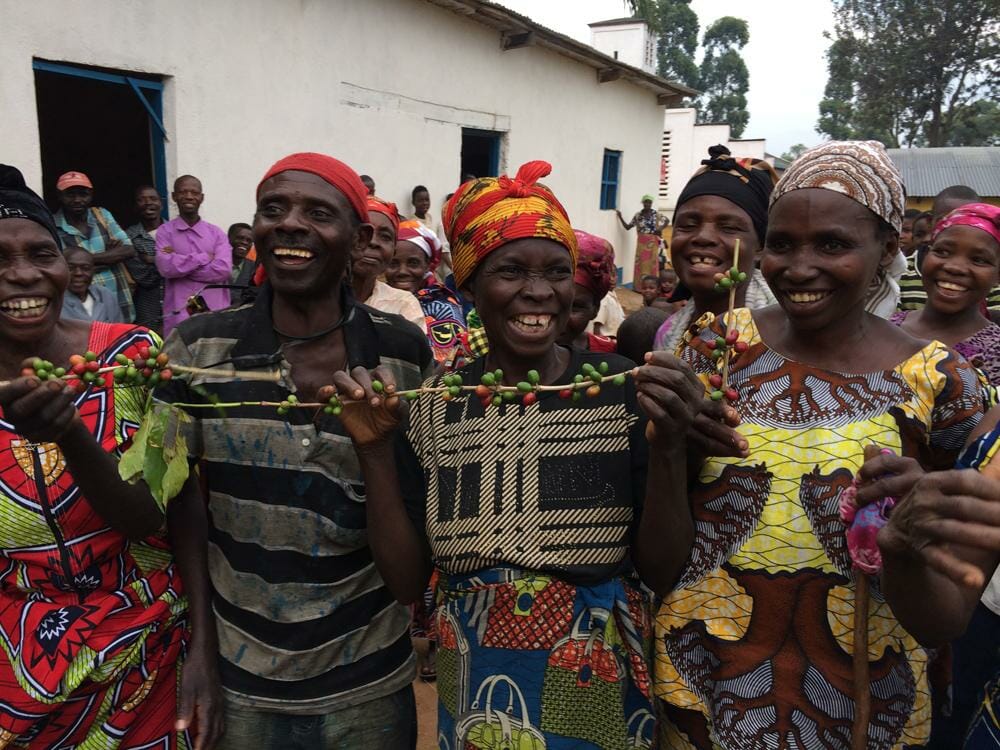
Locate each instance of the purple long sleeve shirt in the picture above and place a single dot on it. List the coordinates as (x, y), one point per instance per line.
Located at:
(201, 255)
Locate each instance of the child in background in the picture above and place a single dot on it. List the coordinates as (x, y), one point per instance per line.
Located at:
(637, 331)
(906, 244)
(649, 288)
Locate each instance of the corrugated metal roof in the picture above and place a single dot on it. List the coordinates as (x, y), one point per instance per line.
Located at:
(928, 171)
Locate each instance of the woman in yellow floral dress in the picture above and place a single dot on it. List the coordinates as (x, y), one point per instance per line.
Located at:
(754, 645)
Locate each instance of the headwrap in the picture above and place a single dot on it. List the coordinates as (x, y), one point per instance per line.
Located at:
(18, 201)
(979, 215)
(386, 208)
(595, 264)
(332, 170)
(488, 212)
(745, 182)
(415, 232)
(861, 170)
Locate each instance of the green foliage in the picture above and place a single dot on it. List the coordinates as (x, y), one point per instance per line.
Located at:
(158, 454)
(913, 74)
(794, 152)
(722, 76)
(724, 79)
(677, 41)
(975, 124)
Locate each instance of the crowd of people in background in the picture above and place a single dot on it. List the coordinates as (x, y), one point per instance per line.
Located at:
(632, 547)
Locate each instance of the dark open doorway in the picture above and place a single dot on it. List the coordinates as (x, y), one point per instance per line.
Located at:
(104, 123)
(480, 153)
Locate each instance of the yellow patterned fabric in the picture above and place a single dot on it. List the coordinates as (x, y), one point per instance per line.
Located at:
(487, 213)
(753, 647)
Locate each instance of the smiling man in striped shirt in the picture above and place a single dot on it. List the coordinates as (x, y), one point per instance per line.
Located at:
(315, 652)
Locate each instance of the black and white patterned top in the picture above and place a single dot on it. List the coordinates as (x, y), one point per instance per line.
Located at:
(556, 487)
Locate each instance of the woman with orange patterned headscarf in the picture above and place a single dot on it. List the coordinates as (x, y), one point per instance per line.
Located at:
(530, 508)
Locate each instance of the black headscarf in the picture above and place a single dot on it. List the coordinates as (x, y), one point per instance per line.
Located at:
(18, 201)
(745, 182)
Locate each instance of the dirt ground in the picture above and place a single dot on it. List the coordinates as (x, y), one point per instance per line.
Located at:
(426, 715)
(629, 300)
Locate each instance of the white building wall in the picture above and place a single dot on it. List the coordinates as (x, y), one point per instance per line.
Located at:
(385, 85)
(689, 144)
(632, 44)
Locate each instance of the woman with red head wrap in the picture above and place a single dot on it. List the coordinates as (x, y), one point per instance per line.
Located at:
(594, 278)
(531, 508)
(370, 262)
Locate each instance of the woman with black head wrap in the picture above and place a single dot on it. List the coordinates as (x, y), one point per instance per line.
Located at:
(724, 201)
(92, 611)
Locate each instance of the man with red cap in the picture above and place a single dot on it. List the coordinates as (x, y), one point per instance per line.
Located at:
(94, 229)
(312, 644)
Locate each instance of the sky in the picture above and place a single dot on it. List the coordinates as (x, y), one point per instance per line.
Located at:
(785, 55)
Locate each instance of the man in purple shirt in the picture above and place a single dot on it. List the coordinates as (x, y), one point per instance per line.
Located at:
(190, 254)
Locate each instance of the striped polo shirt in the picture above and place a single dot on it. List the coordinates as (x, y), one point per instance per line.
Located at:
(305, 622)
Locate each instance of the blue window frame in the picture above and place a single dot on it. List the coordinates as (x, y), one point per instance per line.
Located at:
(610, 175)
(149, 94)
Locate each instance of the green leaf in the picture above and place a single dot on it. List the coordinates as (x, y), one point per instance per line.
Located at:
(130, 464)
(177, 471)
(153, 471)
(158, 455)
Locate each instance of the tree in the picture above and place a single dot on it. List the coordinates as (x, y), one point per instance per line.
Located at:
(677, 41)
(976, 124)
(723, 77)
(794, 152)
(645, 9)
(909, 73)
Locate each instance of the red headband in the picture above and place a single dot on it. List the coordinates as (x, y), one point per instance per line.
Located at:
(332, 170)
(385, 208)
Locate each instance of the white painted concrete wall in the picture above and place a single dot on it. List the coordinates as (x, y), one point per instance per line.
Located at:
(633, 44)
(385, 85)
(689, 144)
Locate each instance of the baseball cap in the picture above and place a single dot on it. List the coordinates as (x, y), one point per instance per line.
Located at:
(73, 179)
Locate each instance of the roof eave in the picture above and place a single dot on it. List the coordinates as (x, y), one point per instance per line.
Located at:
(517, 30)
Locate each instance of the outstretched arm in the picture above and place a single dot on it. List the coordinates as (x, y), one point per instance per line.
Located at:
(939, 549)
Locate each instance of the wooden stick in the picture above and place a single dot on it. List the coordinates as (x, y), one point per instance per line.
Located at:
(267, 377)
(862, 676)
(729, 315)
(860, 665)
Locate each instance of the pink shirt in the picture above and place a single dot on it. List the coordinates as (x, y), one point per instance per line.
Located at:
(201, 255)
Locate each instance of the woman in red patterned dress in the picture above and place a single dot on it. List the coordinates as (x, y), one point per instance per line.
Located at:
(93, 617)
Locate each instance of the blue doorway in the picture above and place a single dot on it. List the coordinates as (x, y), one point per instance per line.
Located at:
(105, 123)
(480, 153)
